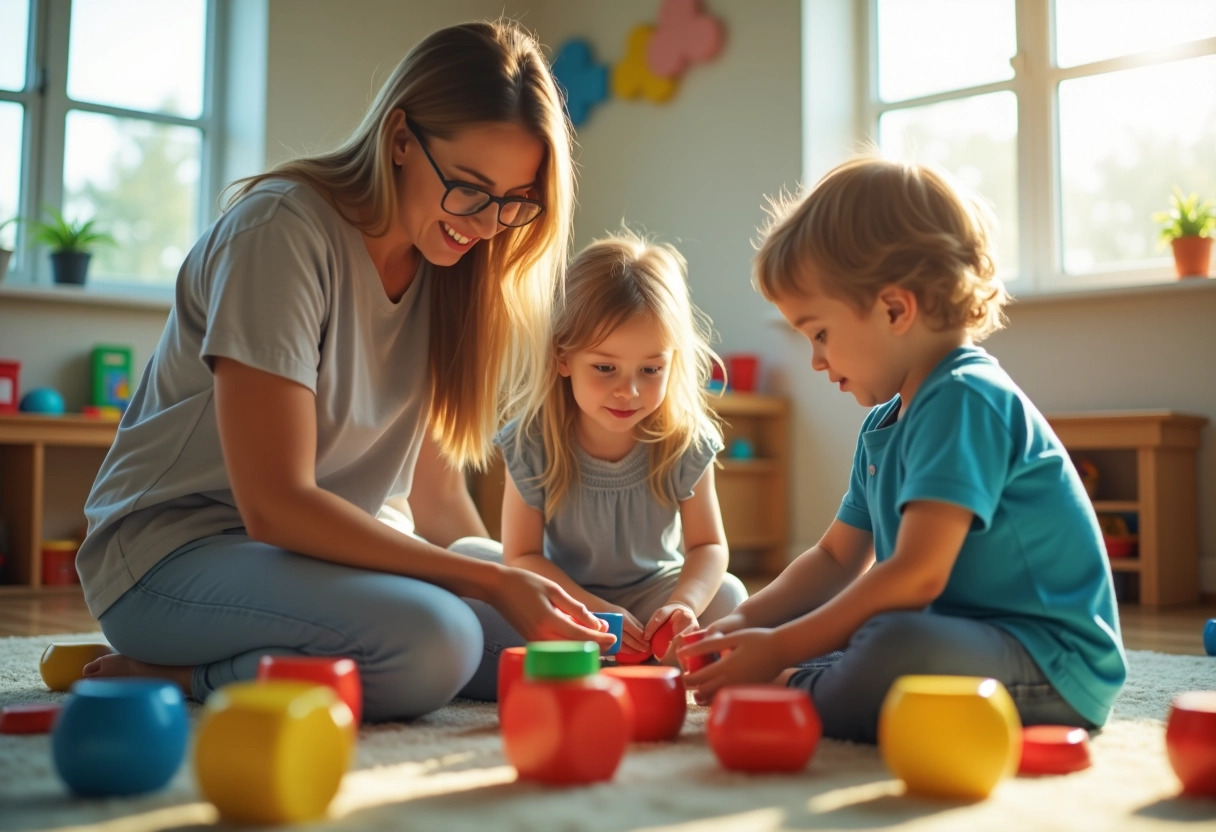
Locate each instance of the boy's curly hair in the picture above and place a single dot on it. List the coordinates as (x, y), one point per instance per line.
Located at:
(871, 223)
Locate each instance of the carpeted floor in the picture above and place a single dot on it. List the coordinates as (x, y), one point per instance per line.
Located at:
(447, 772)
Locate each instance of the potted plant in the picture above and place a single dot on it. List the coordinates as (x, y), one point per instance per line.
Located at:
(71, 244)
(6, 254)
(1188, 228)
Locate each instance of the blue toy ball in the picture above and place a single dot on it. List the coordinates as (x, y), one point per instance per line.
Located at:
(120, 736)
(1209, 637)
(741, 448)
(42, 400)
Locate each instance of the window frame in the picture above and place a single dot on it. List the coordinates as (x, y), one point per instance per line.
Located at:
(1035, 83)
(46, 103)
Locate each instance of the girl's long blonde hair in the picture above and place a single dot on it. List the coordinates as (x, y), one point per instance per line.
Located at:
(491, 311)
(612, 281)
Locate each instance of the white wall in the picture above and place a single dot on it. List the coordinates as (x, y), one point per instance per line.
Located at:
(694, 171)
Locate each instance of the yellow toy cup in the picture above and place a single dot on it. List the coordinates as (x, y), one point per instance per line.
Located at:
(62, 664)
(273, 751)
(952, 737)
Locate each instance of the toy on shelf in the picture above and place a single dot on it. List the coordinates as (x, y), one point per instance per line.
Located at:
(10, 390)
(1117, 535)
(1089, 475)
(111, 376)
(43, 400)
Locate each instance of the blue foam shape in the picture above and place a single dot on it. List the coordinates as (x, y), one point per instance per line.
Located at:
(583, 82)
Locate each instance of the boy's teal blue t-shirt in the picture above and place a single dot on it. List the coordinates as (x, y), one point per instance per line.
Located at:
(1033, 563)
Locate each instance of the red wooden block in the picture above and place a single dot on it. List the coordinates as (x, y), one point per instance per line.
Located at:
(29, 718)
(339, 673)
(1053, 749)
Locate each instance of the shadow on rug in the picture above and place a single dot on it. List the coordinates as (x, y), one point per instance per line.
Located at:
(447, 772)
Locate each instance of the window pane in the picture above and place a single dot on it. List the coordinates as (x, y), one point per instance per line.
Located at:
(1126, 138)
(1093, 30)
(13, 37)
(933, 46)
(11, 116)
(141, 182)
(984, 158)
(161, 48)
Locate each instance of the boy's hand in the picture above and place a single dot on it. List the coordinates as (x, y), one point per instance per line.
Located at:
(748, 656)
(681, 619)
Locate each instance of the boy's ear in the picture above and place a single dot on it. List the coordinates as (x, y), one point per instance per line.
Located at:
(900, 307)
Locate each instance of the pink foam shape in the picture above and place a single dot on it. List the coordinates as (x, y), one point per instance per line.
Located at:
(685, 34)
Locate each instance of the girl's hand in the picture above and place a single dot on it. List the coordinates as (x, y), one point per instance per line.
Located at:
(682, 619)
(632, 631)
(748, 656)
(727, 624)
(541, 610)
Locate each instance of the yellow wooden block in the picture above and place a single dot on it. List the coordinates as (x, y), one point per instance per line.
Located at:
(273, 751)
(951, 737)
(63, 664)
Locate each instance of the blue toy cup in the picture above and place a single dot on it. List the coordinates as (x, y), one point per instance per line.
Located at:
(1209, 637)
(616, 621)
(120, 736)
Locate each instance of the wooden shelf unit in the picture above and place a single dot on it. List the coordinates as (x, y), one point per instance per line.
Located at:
(47, 466)
(753, 493)
(1147, 464)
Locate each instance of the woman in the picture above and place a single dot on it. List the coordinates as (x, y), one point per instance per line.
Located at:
(347, 330)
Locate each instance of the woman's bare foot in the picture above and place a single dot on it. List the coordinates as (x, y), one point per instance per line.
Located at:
(116, 664)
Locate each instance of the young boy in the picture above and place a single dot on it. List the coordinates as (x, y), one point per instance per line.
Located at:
(965, 544)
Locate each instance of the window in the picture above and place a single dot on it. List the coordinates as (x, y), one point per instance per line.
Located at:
(107, 111)
(1074, 118)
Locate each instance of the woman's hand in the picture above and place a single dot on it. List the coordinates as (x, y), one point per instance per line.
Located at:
(748, 656)
(541, 610)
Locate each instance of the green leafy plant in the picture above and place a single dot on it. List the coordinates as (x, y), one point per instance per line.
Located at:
(61, 234)
(1187, 217)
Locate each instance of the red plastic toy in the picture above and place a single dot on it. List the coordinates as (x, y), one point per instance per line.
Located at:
(510, 671)
(695, 663)
(564, 722)
(762, 728)
(658, 698)
(660, 642)
(1053, 749)
(1190, 739)
(29, 718)
(627, 656)
(338, 673)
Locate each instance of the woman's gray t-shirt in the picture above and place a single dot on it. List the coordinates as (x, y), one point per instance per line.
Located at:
(609, 531)
(283, 284)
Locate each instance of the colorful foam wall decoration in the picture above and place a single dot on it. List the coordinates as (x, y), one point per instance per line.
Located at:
(633, 78)
(583, 82)
(685, 35)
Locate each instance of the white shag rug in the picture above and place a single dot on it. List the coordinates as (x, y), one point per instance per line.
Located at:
(447, 772)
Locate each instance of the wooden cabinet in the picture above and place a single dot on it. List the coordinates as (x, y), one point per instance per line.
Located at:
(1147, 468)
(47, 466)
(753, 491)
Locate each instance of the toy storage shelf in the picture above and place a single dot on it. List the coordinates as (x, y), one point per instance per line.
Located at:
(753, 493)
(1147, 464)
(47, 466)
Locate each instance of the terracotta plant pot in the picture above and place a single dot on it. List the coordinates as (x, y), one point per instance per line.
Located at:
(1192, 256)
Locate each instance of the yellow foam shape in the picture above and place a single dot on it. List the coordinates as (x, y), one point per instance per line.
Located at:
(951, 737)
(273, 751)
(63, 664)
(632, 78)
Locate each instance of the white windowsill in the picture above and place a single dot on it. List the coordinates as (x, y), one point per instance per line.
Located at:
(90, 296)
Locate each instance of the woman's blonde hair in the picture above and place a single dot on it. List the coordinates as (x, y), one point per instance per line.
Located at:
(871, 223)
(490, 312)
(611, 281)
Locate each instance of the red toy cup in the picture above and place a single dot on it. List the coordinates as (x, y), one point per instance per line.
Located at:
(59, 562)
(1190, 739)
(339, 673)
(763, 728)
(658, 698)
(1053, 749)
(741, 371)
(510, 671)
(695, 663)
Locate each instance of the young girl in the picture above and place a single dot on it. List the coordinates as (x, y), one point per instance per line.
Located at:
(611, 487)
(989, 557)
